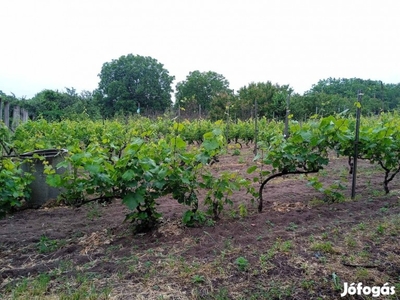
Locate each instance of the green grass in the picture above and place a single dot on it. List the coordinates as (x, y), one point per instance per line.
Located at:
(325, 247)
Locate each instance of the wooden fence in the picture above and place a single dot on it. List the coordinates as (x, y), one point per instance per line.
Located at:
(18, 115)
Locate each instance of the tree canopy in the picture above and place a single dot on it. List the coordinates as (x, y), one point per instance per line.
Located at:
(334, 95)
(271, 99)
(134, 81)
(55, 105)
(199, 88)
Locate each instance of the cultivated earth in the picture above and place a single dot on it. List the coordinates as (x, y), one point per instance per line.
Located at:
(299, 247)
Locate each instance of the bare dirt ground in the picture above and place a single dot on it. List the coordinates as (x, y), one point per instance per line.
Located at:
(299, 247)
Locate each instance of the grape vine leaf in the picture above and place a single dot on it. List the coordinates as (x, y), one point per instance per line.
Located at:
(134, 199)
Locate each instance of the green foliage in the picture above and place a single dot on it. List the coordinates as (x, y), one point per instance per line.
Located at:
(219, 191)
(198, 279)
(333, 95)
(192, 218)
(55, 105)
(243, 210)
(236, 152)
(271, 99)
(332, 193)
(325, 247)
(140, 160)
(131, 81)
(14, 185)
(223, 106)
(5, 140)
(242, 263)
(336, 282)
(199, 88)
(45, 245)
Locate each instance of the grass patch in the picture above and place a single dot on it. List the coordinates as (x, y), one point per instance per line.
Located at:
(325, 247)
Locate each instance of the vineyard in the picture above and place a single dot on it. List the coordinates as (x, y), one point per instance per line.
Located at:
(169, 177)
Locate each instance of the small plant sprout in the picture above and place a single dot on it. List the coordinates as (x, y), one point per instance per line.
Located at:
(198, 279)
(291, 227)
(45, 245)
(336, 282)
(242, 263)
(242, 210)
(236, 152)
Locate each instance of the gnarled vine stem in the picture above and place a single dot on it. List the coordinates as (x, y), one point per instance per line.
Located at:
(260, 192)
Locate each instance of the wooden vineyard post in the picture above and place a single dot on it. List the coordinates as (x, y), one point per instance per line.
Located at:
(353, 186)
(255, 126)
(286, 133)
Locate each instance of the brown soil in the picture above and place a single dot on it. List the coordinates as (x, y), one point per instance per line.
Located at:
(283, 245)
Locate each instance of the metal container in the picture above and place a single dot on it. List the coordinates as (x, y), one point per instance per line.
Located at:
(41, 192)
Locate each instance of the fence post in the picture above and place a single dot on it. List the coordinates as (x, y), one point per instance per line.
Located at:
(25, 115)
(16, 117)
(7, 114)
(1, 109)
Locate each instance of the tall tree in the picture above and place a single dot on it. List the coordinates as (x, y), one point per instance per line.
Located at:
(48, 104)
(223, 107)
(55, 105)
(271, 99)
(199, 88)
(377, 96)
(132, 81)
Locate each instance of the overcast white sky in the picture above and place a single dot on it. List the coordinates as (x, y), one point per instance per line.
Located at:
(53, 44)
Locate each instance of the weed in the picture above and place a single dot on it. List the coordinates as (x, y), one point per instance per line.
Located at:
(323, 173)
(377, 193)
(361, 226)
(210, 222)
(291, 227)
(336, 282)
(222, 294)
(112, 248)
(20, 288)
(323, 247)
(286, 246)
(380, 229)
(228, 243)
(362, 274)
(278, 290)
(94, 211)
(271, 252)
(198, 279)
(242, 263)
(351, 242)
(66, 265)
(269, 223)
(236, 152)
(307, 284)
(242, 210)
(45, 245)
(364, 254)
(384, 209)
(316, 202)
(195, 265)
(263, 259)
(233, 214)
